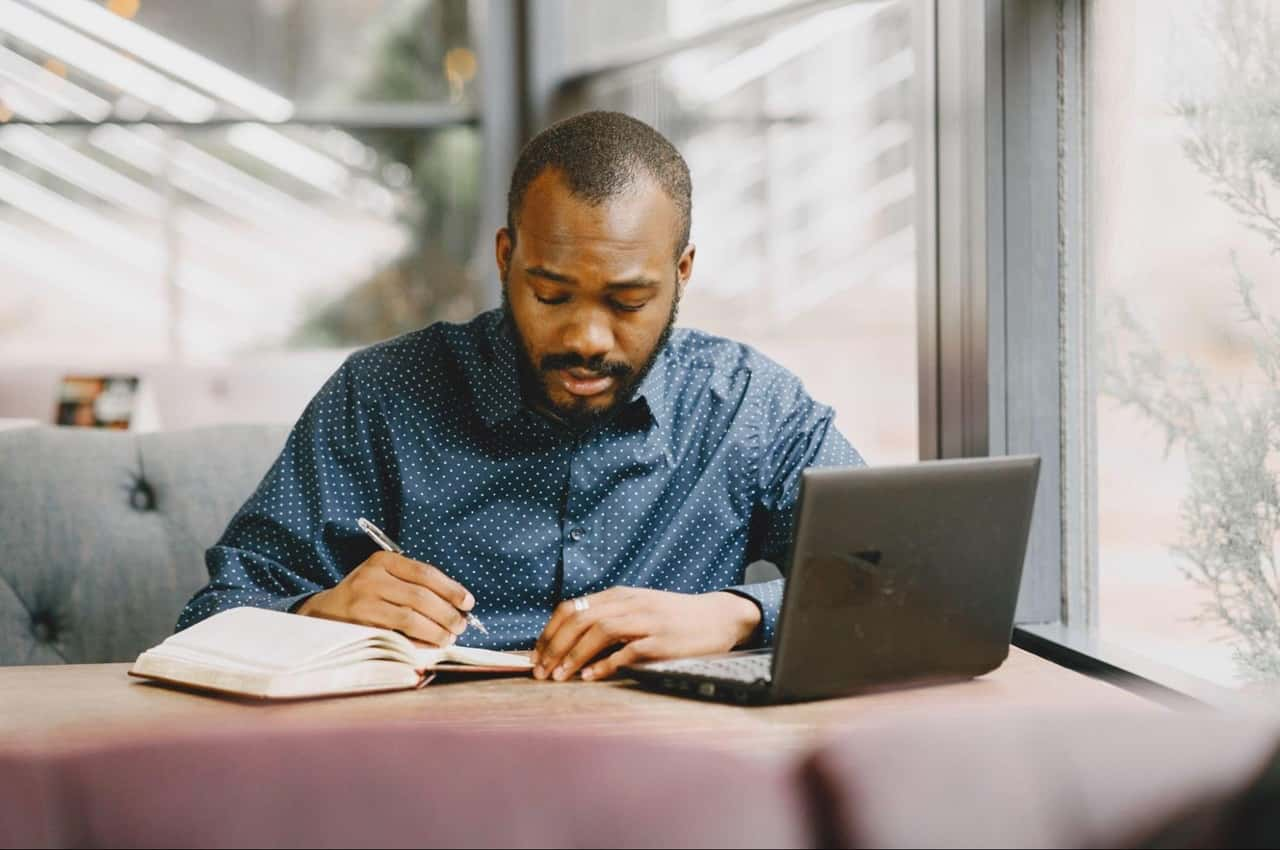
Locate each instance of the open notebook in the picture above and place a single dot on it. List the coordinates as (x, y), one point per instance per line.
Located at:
(271, 655)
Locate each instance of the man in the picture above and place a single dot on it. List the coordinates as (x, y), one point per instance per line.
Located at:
(587, 479)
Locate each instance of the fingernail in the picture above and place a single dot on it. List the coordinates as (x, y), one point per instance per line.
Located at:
(458, 627)
(539, 673)
(588, 674)
(451, 639)
(469, 602)
(560, 673)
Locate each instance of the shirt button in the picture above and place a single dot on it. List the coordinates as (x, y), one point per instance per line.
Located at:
(576, 534)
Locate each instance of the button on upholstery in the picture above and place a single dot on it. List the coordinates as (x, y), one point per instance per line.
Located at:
(141, 496)
(577, 534)
(42, 628)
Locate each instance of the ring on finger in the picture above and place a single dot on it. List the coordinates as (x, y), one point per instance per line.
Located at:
(581, 604)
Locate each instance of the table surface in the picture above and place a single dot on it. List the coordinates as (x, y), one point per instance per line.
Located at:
(55, 705)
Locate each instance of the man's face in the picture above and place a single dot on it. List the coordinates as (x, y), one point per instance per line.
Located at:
(591, 291)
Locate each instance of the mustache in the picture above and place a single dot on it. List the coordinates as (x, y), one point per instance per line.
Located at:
(598, 365)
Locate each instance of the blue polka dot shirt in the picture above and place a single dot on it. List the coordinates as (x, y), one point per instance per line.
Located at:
(427, 435)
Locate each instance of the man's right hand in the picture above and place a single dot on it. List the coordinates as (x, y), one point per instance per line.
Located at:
(394, 592)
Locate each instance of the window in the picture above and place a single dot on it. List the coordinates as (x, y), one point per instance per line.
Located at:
(596, 33)
(197, 180)
(1184, 252)
(800, 140)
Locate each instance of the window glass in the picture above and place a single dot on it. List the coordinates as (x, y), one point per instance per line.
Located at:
(1184, 156)
(146, 241)
(262, 59)
(600, 31)
(804, 203)
(131, 241)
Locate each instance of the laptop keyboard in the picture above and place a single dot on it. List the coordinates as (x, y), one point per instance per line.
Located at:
(740, 668)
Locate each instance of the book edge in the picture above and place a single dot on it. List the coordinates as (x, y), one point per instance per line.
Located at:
(256, 696)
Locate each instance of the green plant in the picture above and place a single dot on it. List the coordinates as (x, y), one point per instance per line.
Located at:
(1230, 434)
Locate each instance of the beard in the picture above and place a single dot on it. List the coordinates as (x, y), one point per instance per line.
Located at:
(580, 415)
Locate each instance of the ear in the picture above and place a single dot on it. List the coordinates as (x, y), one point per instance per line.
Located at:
(502, 247)
(684, 267)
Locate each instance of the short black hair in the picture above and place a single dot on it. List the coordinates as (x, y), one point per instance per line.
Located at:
(601, 155)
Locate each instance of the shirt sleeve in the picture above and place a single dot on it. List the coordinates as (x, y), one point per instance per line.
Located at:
(799, 433)
(297, 534)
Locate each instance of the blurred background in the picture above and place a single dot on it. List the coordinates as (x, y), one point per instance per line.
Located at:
(226, 198)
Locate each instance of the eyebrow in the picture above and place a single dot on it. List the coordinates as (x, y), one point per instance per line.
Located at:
(631, 283)
(539, 271)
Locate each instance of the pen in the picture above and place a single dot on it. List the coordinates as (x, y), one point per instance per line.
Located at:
(380, 537)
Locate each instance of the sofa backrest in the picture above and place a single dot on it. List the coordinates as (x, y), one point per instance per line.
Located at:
(103, 533)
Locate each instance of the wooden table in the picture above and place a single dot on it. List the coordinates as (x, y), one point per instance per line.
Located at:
(55, 705)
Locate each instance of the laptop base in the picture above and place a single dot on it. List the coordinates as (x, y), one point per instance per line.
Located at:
(736, 677)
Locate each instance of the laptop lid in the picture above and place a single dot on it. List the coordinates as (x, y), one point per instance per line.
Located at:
(903, 573)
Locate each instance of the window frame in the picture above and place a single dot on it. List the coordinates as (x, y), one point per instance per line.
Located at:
(1016, 318)
(1011, 293)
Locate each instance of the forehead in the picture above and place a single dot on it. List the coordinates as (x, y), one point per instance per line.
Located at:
(638, 223)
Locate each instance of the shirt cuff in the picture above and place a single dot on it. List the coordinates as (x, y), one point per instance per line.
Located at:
(290, 604)
(767, 595)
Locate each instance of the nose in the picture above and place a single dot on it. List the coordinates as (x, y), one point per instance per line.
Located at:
(588, 334)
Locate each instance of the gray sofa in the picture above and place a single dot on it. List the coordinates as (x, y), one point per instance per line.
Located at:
(102, 533)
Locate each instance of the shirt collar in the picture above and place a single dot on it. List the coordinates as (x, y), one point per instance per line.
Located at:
(652, 391)
(500, 398)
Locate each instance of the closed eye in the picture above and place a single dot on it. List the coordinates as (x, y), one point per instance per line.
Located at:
(629, 308)
(557, 300)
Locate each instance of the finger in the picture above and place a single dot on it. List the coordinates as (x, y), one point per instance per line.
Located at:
(432, 578)
(385, 615)
(641, 650)
(566, 610)
(559, 615)
(571, 628)
(605, 633)
(425, 602)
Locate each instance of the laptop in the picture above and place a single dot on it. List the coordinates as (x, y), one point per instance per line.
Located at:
(900, 575)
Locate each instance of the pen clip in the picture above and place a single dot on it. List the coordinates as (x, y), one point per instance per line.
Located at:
(378, 536)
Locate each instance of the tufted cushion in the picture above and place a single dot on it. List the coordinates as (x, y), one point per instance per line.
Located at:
(104, 532)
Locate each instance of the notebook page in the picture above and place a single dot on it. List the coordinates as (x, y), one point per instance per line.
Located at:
(257, 638)
(427, 658)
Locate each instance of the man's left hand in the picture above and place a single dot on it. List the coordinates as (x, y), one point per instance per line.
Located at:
(650, 624)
